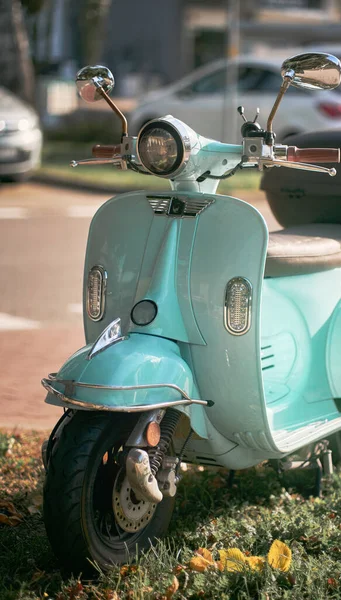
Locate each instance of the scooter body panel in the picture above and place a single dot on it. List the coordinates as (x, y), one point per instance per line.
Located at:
(139, 360)
(231, 242)
(184, 265)
(301, 350)
(146, 254)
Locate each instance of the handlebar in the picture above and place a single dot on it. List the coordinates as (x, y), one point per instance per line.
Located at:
(313, 155)
(106, 151)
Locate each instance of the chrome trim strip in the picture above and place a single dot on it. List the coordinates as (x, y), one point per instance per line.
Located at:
(138, 408)
(227, 306)
(104, 278)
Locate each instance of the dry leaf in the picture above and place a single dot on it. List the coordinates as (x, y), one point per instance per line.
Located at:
(9, 514)
(279, 556)
(173, 588)
(127, 569)
(37, 500)
(202, 560)
(75, 591)
(231, 560)
(179, 569)
(11, 521)
(199, 563)
(33, 510)
(256, 563)
(205, 553)
(38, 575)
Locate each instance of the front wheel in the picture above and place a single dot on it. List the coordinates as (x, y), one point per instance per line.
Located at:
(90, 511)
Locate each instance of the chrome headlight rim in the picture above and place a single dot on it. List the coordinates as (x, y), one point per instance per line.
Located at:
(178, 130)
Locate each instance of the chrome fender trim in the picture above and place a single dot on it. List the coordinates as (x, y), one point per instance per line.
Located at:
(66, 397)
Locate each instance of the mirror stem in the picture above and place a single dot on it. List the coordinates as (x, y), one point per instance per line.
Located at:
(116, 110)
(285, 84)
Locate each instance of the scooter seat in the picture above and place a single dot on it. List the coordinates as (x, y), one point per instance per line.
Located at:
(303, 249)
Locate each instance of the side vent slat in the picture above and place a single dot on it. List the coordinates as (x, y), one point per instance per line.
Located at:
(268, 355)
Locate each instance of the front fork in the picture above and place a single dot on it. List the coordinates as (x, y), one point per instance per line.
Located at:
(151, 473)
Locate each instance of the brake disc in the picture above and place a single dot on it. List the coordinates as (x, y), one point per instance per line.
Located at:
(131, 514)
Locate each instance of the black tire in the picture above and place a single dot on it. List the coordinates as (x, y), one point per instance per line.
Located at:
(78, 506)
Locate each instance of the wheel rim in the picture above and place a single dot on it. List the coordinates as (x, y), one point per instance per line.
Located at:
(113, 503)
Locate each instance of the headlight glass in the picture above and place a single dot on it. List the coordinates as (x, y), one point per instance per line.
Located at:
(160, 148)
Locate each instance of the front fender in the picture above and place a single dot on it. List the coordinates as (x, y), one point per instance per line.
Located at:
(139, 360)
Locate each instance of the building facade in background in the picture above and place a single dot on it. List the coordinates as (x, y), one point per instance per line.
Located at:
(151, 43)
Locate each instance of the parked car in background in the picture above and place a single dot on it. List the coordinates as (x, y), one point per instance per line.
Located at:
(207, 100)
(20, 138)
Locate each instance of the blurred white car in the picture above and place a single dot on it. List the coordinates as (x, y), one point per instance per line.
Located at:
(20, 138)
(207, 101)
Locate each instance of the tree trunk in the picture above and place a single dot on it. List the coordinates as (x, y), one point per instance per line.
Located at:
(16, 66)
(94, 29)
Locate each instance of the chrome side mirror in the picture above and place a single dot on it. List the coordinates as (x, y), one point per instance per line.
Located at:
(90, 80)
(94, 83)
(313, 71)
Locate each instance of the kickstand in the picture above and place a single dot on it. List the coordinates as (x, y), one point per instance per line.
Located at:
(317, 492)
(320, 461)
(230, 478)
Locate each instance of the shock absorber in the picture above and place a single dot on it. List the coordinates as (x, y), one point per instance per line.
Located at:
(168, 425)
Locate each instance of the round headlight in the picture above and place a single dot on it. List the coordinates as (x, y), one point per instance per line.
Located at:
(160, 148)
(144, 312)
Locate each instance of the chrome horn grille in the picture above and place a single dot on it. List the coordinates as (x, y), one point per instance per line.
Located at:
(178, 205)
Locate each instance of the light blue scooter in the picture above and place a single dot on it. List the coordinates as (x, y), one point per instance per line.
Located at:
(208, 340)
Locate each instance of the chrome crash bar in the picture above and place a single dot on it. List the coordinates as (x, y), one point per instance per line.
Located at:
(69, 385)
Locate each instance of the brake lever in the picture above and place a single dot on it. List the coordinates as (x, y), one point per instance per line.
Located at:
(118, 162)
(295, 165)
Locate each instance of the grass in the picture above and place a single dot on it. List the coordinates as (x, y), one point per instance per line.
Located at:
(57, 156)
(252, 513)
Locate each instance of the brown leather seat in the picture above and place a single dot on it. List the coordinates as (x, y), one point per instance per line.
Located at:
(303, 249)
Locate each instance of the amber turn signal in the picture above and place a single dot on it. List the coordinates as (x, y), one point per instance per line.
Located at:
(153, 433)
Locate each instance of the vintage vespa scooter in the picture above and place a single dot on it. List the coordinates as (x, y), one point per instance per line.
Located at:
(207, 341)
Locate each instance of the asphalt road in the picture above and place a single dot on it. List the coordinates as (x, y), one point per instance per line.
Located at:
(43, 233)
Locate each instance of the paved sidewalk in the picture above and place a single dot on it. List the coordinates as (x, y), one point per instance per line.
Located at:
(27, 356)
